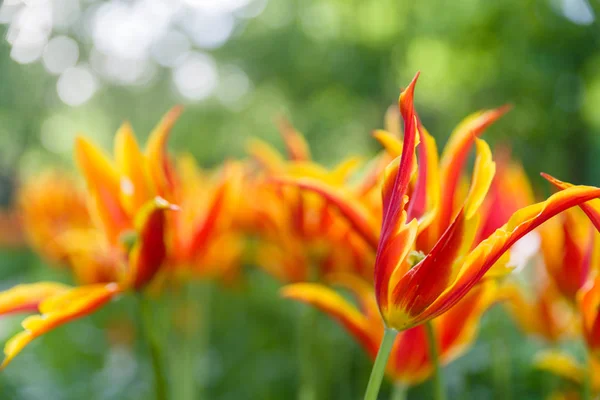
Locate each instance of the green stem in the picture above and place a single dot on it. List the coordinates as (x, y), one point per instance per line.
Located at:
(438, 380)
(378, 370)
(399, 392)
(500, 358)
(146, 313)
(306, 345)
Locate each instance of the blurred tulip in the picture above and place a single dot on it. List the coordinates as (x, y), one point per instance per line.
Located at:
(572, 370)
(541, 310)
(300, 235)
(50, 206)
(124, 201)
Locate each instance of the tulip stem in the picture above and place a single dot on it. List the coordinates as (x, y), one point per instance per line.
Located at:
(399, 392)
(438, 380)
(146, 313)
(378, 370)
(308, 386)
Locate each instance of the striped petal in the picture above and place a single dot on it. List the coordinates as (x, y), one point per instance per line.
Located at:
(353, 211)
(425, 199)
(149, 250)
(333, 304)
(104, 186)
(454, 158)
(58, 310)
(483, 257)
(591, 208)
(27, 297)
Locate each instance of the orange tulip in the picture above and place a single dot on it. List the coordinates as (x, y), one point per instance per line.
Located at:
(410, 363)
(124, 200)
(205, 224)
(50, 205)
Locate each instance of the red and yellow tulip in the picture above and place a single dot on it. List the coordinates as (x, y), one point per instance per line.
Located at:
(126, 203)
(412, 290)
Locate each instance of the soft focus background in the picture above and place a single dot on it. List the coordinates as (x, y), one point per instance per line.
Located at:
(331, 66)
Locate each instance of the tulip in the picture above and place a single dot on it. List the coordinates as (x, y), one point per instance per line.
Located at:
(125, 201)
(411, 287)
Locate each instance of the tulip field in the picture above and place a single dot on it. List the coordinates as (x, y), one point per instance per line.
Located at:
(252, 199)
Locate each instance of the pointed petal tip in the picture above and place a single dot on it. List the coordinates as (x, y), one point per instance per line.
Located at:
(163, 204)
(554, 181)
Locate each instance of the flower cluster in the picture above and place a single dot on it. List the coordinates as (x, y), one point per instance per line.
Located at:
(422, 247)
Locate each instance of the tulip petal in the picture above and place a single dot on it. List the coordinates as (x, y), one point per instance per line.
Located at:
(149, 250)
(358, 216)
(265, 155)
(455, 154)
(391, 143)
(331, 303)
(562, 365)
(295, 143)
(396, 182)
(104, 186)
(426, 196)
(483, 257)
(27, 297)
(159, 165)
(58, 310)
(132, 166)
(591, 208)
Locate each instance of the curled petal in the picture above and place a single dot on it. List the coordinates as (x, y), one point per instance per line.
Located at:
(27, 297)
(58, 310)
(330, 302)
(591, 208)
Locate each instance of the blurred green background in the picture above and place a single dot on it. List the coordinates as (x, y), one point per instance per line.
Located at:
(333, 67)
